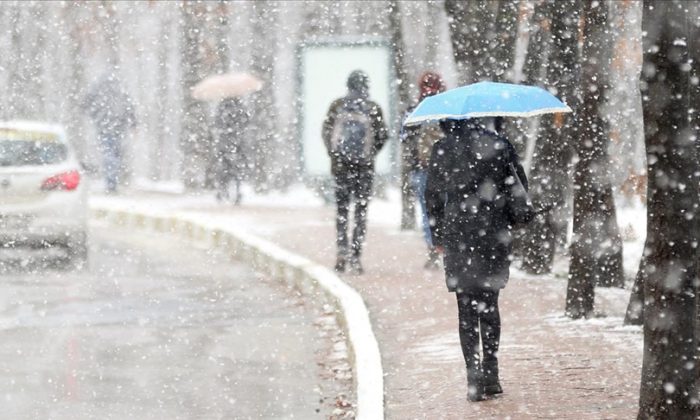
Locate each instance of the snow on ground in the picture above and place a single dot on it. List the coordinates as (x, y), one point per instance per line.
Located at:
(440, 347)
(385, 211)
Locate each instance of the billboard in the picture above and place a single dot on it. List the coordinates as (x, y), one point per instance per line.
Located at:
(323, 71)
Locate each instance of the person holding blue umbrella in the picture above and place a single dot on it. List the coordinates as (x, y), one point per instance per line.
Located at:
(475, 195)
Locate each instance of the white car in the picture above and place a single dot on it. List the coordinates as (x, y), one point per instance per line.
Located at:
(43, 195)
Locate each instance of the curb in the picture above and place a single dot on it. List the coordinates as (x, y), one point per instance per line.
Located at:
(309, 278)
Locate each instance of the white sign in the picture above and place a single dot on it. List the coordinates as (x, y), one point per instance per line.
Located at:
(324, 72)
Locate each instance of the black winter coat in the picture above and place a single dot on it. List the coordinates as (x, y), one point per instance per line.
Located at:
(231, 125)
(465, 196)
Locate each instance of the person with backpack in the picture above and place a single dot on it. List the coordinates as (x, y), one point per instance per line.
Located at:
(354, 132)
(420, 140)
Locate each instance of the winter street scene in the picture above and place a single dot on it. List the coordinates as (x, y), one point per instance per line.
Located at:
(350, 209)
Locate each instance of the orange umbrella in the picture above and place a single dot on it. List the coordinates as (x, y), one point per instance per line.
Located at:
(226, 85)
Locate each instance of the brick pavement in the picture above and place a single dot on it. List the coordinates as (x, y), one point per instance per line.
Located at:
(551, 367)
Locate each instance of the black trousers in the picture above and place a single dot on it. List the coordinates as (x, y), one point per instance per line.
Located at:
(353, 183)
(228, 167)
(479, 318)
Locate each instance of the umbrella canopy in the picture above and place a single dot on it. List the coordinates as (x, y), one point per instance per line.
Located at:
(487, 99)
(228, 85)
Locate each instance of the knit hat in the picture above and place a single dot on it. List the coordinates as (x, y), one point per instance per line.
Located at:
(358, 83)
(430, 83)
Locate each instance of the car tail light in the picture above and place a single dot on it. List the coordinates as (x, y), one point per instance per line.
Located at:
(66, 181)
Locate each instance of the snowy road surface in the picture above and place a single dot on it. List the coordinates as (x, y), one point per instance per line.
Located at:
(153, 330)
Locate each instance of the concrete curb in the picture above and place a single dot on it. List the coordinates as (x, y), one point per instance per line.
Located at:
(309, 278)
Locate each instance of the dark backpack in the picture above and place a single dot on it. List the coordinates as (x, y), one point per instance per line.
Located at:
(353, 134)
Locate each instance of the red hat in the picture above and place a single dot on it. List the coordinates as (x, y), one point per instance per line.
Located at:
(430, 83)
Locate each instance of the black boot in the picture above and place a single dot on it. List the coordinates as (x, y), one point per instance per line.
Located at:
(475, 384)
(340, 265)
(356, 265)
(492, 385)
(340, 262)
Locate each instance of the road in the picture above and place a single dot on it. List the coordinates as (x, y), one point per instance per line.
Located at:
(154, 329)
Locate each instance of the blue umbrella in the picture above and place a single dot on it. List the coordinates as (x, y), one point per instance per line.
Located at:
(486, 99)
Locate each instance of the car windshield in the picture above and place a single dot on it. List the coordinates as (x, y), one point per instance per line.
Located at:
(31, 152)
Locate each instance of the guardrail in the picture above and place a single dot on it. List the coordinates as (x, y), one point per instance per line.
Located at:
(308, 277)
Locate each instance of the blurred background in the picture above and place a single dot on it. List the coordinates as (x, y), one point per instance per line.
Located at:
(55, 52)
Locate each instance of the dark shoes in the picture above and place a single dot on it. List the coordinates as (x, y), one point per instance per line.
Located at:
(356, 266)
(352, 264)
(481, 384)
(493, 389)
(476, 393)
(340, 265)
(475, 386)
(480, 391)
(491, 384)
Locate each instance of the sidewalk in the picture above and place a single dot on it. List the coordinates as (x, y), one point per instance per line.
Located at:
(551, 367)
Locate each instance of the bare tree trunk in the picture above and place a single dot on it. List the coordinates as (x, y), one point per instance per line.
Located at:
(164, 127)
(634, 315)
(25, 67)
(503, 44)
(539, 44)
(78, 83)
(221, 30)
(551, 162)
(106, 15)
(16, 77)
(596, 249)
(483, 37)
(194, 136)
(408, 207)
(430, 57)
(263, 133)
(35, 51)
(669, 92)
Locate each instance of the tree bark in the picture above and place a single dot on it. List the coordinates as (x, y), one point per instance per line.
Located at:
(263, 126)
(71, 22)
(503, 45)
(194, 135)
(483, 35)
(408, 207)
(550, 170)
(596, 249)
(164, 129)
(634, 315)
(669, 94)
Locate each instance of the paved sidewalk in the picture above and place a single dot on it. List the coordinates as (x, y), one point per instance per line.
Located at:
(551, 367)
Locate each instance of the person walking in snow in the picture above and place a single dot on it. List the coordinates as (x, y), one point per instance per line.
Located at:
(354, 132)
(112, 112)
(230, 159)
(470, 173)
(420, 140)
